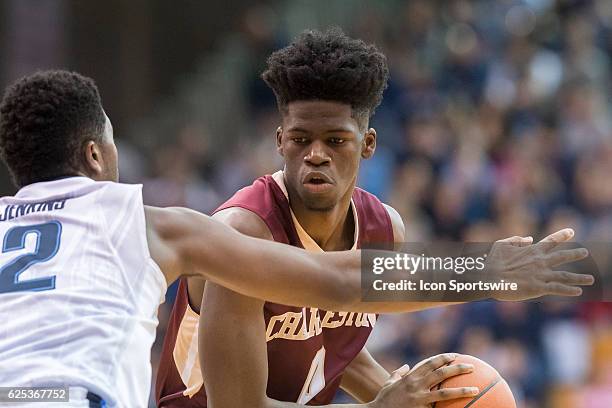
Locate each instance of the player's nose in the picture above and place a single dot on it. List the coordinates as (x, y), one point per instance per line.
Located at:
(317, 156)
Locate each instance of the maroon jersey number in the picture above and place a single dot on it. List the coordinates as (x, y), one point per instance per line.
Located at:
(315, 381)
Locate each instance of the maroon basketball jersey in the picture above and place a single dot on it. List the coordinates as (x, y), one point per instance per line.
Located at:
(308, 348)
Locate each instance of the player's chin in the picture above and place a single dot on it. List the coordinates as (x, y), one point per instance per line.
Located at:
(319, 201)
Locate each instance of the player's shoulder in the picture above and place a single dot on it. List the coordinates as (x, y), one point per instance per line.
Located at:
(244, 221)
(399, 229)
(396, 218)
(370, 201)
(373, 202)
(110, 194)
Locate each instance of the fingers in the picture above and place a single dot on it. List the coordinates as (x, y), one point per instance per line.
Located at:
(510, 239)
(517, 241)
(433, 363)
(399, 373)
(442, 373)
(568, 255)
(559, 289)
(445, 394)
(523, 242)
(403, 370)
(562, 283)
(568, 278)
(556, 238)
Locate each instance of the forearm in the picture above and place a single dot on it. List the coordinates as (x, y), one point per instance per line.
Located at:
(334, 282)
(364, 377)
(270, 403)
(280, 273)
(292, 276)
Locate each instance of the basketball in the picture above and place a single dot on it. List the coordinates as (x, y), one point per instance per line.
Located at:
(494, 391)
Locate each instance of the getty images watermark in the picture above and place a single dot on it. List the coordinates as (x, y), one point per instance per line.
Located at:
(459, 272)
(421, 263)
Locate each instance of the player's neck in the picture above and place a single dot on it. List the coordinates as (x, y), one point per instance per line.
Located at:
(332, 230)
(59, 177)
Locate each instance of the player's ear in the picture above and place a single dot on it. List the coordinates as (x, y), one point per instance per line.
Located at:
(279, 140)
(368, 145)
(93, 158)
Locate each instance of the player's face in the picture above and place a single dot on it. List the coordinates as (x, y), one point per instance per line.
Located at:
(322, 145)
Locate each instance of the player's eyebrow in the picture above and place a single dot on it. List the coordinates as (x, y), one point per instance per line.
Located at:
(298, 130)
(339, 130)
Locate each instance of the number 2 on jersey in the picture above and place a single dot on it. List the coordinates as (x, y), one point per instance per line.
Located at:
(47, 244)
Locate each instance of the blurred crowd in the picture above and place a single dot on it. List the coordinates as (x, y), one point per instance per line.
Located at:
(496, 123)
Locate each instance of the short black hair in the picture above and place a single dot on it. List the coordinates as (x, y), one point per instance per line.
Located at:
(45, 119)
(328, 66)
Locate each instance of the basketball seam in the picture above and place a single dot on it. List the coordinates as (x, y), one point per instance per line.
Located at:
(482, 393)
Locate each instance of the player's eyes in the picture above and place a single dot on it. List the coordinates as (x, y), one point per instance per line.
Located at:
(299, 140)
(336, 140)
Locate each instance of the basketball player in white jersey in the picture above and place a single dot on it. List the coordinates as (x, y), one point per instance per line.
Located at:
(84, 264)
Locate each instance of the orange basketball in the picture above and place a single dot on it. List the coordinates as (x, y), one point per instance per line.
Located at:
(494, 391)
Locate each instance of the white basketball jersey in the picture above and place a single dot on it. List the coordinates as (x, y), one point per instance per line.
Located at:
(79, 291)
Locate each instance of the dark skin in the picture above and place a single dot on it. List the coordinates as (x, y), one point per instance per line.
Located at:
(322, 140)
(322, 145)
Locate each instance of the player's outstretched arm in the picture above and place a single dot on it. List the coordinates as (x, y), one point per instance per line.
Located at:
(187, 243)
(233, 351)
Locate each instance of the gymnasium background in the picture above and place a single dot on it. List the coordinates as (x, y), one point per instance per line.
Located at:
(496, 122)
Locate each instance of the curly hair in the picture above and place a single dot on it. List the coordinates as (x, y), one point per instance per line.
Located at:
(45, 119)
(328, 66)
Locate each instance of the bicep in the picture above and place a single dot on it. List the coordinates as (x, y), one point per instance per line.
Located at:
(241, 220)
(159, 226)
(233, 352)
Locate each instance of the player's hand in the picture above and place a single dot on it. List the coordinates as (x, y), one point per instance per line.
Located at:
(516, 260)
(413, 388)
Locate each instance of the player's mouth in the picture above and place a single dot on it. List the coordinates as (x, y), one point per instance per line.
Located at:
(317, 182)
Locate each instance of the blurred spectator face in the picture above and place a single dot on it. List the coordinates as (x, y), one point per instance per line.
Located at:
(478, 341)
(322, 146)
(593, 187)
(514, 361)
(428, 137)
(565, 217)
(449, 203)
(483, 231)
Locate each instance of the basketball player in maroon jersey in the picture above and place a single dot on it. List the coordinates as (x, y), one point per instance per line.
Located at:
(265, 354)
